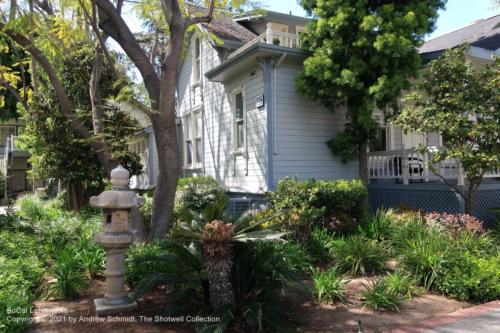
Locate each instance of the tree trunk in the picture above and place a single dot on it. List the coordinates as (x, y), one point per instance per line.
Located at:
(165, 132)
(363, 163)
(168, 175)
(104, 155)
(76, 196)
(218, 257)
(470, 195)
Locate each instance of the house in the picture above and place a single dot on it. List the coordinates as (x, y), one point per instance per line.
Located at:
(13, 161)
(241, 121)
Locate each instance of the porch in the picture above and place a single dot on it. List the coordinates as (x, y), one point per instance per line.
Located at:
(406, 177)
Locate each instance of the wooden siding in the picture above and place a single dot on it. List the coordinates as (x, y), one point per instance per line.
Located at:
(301, 129)
(238, 173)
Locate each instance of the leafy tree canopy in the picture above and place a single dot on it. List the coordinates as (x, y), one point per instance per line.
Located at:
(362, 54)
(14, 77)
(462, 103)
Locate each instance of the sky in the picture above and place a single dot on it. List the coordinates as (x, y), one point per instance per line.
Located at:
(457, 14)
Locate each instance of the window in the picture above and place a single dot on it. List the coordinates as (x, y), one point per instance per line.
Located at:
(196, 60)
(379, 142)
(239, 130)
(193, 146)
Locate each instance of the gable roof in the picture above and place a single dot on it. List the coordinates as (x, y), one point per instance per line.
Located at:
(225, 28)
(484, 33)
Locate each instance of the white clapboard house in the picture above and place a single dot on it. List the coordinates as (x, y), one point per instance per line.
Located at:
(241, 121)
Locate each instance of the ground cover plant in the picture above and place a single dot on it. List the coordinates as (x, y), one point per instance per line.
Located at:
(45, 251)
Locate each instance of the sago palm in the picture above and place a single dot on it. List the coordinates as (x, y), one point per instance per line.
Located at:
(217, 238)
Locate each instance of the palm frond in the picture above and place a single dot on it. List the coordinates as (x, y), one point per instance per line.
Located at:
(260, 235)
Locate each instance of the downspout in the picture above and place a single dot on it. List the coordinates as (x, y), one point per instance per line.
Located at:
(269, 66)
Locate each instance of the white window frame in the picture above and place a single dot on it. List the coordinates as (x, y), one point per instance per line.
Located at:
(193, 138)
(236, 149)
(195, 62)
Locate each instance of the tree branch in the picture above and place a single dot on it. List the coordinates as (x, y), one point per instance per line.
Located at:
(202, 19)
(13, 91)
(113, 24)
(63, 99)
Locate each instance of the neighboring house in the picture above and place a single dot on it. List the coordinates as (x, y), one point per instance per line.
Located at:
(242, 122)
(13, 161)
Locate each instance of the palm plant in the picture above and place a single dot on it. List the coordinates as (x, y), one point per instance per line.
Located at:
(217, 239)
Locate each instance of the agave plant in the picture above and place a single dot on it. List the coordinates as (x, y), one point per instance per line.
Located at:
(217, 239)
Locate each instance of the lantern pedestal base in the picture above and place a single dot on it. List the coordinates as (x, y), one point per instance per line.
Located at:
(104, 309)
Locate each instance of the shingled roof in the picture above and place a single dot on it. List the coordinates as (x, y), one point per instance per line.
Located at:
(226, 29)
(483, 33)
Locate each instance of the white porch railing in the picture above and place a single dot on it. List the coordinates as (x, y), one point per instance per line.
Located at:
(271, 36)
(281, 38)
(407, 164)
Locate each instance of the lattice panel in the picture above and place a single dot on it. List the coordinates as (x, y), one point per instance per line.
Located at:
(435, 200)
(425, 200)
(485, 200)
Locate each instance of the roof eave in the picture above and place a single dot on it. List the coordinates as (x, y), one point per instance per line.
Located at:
(258, 50)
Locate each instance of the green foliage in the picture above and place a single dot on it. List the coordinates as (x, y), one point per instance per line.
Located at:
(14, 70)
(70, 279)
(378, 226)
(146, 212)
(362, 55)
(142, 259)
(460, 102)
(56, 150)
(425, 255)
(199, 193)
(402, 283)
(470, 277)
(359, 255)
(329, 286)
(318, 245)
(379, 295)
(304, 205)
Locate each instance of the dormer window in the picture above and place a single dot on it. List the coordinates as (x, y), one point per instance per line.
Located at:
(196, 60)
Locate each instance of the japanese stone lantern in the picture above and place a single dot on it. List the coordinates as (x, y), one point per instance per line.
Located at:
(115, 237)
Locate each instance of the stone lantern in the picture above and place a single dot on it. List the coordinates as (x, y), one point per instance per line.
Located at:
(115, 237)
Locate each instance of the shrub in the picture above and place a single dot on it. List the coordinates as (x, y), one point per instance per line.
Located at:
(424, 256)
(468, 277)
(455, 223)
(92, 257)
(378, 226)
(329, 286)
(69, 277)
(359, 255)
(31, 208)
(294, 257)
(19, 280)
(337, 205)
(378, 295)
(402, 284)
(143, 259)
(319, 244)
(198, 193)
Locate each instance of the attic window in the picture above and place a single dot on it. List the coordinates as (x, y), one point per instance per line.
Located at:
(196, 60)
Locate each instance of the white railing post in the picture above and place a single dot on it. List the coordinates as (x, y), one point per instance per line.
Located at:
(405, 166)
(269, 34)
(460, 174)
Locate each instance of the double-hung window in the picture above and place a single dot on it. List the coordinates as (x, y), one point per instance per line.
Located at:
(193, 143)
(239, 120)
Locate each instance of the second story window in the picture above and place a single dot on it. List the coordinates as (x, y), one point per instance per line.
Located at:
(193, 143)
(196, 60)
(239, 126)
